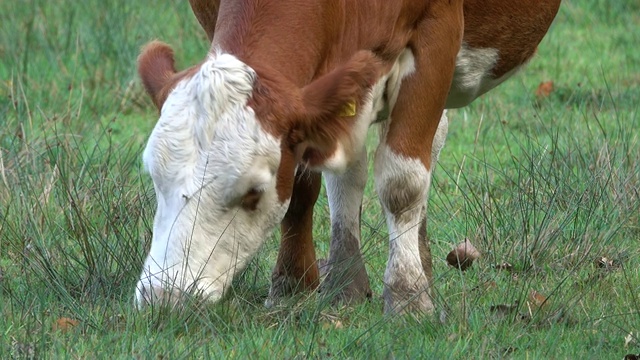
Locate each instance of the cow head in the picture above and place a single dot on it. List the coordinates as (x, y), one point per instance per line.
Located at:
(222, 158)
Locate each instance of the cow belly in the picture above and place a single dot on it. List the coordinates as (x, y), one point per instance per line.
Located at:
(473, 75)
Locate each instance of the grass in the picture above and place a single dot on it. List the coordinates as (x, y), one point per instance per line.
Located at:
(549, 186)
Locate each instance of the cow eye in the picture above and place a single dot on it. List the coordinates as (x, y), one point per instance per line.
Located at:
(251, 199)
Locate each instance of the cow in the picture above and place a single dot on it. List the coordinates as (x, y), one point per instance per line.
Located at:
(286, 96)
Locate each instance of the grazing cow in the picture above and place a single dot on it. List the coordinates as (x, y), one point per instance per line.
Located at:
(289, 89)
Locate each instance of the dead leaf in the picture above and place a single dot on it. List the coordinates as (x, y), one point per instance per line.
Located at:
(537, 299)
(604, 262)
(504, 266)
(335, 324)
(503, 309)
(487, 285)
(629, 339)
(64, 324)
(330, 321)
(463, 255)
(21, 350)
(544, 90)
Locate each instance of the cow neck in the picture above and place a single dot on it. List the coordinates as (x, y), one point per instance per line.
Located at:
(288, 36)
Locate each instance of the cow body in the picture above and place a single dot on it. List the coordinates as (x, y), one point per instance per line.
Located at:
(289, 90)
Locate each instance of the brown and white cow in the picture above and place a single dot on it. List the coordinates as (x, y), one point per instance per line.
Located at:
(289, 89)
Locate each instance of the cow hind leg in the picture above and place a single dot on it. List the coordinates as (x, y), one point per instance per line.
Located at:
(296, 269)
(347, 280)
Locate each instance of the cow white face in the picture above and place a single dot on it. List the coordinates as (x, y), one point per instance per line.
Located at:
(222, 182)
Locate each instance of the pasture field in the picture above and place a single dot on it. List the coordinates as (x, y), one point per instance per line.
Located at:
(549, 185)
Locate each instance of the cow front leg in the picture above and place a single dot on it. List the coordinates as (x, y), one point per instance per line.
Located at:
(347, 280)
(406, 157)
(296, 269)
(403, 186)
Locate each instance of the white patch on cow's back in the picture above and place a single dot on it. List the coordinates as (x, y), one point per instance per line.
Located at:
(206, 152)
(474, 75)
(388, 85)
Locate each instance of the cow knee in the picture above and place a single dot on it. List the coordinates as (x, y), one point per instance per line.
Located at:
(402, 183)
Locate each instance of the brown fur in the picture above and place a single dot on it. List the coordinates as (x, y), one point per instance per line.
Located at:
(307, 119)
(296, 266)
(206, 11)
(515, 36)
(312, 57)
(156, 67)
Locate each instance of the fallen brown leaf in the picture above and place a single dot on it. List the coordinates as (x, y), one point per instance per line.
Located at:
(22, 350)
(64, 324)
(544, 90)
(463, 255)
(604, 262)
(629, 339)
(537, 299)
(487, 285)
(335, 324)
(504, 266)
(503, 309)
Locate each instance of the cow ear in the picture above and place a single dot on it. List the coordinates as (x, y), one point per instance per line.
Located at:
(326, 97)
(156, 67)
(330, 105)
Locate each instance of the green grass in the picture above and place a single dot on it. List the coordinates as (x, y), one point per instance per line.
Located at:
(548, 186)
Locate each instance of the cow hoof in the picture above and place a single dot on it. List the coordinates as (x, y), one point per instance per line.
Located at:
(346, 287)
(416, 303)
(347, 295)
(283, 287)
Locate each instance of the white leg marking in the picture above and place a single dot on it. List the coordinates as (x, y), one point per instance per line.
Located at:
(347, 273)
(403, 184)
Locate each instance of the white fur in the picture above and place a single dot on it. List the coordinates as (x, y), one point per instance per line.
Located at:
(404, 272)
(439, 139)
(473, 75)
(345, 189)
(345, 193)
(391, 168)
(205, 153)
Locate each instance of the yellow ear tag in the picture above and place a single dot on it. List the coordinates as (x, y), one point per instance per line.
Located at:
(349, 109)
